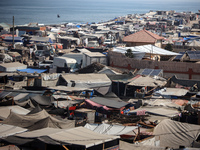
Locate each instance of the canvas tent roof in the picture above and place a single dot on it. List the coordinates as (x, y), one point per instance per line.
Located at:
(37, 121)
(160, 111)
(173, 134)
(10, 67)
(88, 80)
(42, 100)
(100, 82)
(5, 111)
(110, 102)
(7, 130)
(128, 146)
(166, 92)
(110, 129)
(147, 81)
(79, 136)
(149, 49)
(40, 39)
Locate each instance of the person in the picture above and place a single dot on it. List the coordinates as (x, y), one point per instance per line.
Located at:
(35, 64)
(25, 62)
(33, 55)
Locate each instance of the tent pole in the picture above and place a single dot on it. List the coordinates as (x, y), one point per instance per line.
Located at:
(103, 146)
(65, 147)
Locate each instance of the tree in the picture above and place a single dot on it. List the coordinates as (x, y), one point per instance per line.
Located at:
(169, 47)
(129, 53)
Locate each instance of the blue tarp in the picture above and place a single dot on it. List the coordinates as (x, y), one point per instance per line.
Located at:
(16, 39)
(31, 70)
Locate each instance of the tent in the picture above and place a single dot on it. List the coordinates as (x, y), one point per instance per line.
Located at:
(128, 146)
(159, 111)
(149, 49)
(5, 111)
(147, 81)
(109, 129)
(7, 130)
(100, 82)
(37, 121)
(34, 100)
(109, 102)
(174, 134)
(79, 137)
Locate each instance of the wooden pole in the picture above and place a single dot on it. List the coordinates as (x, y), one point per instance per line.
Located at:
(13, 32)
(65, 147)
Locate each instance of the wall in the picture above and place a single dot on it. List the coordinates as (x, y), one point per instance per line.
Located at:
(182, 70)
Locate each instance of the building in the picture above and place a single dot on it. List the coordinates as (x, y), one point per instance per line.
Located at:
(143, 37)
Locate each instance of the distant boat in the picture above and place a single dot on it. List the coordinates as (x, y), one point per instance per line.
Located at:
(58, 16)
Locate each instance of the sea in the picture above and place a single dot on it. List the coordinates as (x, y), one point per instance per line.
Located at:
(84, 11)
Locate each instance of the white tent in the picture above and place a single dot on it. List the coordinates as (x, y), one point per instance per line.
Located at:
(149, 49)
(110, 129)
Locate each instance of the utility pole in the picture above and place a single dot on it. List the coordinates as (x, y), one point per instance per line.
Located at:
(13, 32)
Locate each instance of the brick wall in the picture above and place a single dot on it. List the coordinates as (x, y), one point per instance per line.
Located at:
(183, 70)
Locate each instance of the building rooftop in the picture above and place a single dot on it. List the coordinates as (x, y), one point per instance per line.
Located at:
(143, 36)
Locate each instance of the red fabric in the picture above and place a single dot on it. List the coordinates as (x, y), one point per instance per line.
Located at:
(72, 108)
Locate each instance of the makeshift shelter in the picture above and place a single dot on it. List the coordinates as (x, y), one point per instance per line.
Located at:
(40, 39)
(5, 111)
(33, 100)
(109, 102)
(37, 121)
(147, 81)
(171, 92)
(11, 67)
(147, 49)
(174, 134)
(128, 146)
(78, 137)
(100, 82)
(110, 129)
(8, 130)
(159, 111)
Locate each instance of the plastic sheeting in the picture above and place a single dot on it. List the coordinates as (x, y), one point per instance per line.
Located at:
(110, 129)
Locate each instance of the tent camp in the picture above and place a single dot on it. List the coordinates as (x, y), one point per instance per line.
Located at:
(37, 121)
(110, 129)
(78, 137)
(174, 134)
